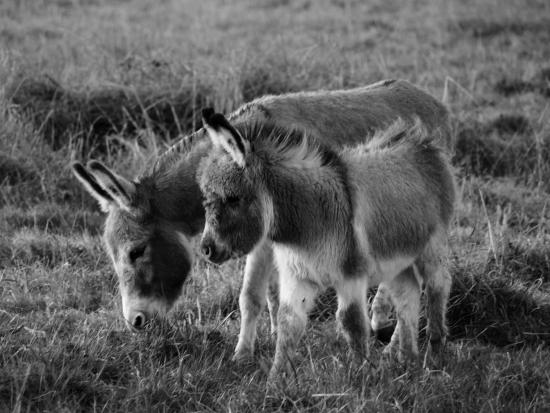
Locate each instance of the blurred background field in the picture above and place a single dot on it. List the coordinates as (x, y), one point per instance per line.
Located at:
(119, 80)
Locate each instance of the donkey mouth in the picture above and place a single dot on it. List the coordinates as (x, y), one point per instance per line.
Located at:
(219, 258)
(137, 322)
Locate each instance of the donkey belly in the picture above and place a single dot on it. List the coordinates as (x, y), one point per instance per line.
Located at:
(383, 267)
(384, 270)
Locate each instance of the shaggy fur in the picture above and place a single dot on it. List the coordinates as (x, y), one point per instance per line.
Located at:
(166, 200)
(387, 204)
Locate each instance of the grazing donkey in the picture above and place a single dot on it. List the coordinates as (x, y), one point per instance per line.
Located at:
(149, 220)
(345, 219)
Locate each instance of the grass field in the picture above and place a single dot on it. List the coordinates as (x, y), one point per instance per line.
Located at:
(68, 67)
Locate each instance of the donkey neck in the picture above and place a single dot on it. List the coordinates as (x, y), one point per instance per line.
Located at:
(176, 194)
(310, 199)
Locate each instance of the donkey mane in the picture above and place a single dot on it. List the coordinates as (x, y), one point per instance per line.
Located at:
(292, 147)
(178, 151)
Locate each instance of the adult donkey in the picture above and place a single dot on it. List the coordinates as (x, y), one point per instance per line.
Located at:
(150, 219)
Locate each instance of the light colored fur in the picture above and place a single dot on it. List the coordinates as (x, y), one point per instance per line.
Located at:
(300, 157)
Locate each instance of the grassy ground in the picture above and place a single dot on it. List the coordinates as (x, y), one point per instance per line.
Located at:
(63, 346)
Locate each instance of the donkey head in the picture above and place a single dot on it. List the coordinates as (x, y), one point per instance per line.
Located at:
(234, 198)
(151, 257)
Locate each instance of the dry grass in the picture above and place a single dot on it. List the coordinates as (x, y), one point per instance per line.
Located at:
(13, 171)
(62, 115)
(124, 73)
(507, 145)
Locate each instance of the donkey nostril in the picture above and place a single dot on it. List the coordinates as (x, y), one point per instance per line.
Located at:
(139, 320)
(206, 251)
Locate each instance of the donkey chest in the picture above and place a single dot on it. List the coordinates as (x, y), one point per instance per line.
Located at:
(317, 268)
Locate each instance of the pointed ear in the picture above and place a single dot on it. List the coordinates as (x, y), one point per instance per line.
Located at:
(223, 134)
(121, 190)
(106, 201)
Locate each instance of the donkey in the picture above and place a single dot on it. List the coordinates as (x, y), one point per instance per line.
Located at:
(345, 219)
(150, 220)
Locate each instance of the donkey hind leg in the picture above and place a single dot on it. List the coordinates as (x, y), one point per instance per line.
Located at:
(257, 274)
(438, 286)
(382, 324)
(297, 297)
(352, 315)
(405, 290)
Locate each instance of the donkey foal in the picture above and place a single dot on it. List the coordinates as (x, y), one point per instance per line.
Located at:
(345, 219)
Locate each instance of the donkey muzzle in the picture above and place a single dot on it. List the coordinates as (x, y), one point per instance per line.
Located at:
(212, 252)
(137, 321)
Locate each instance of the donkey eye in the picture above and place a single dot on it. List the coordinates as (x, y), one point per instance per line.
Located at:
(136, 252)
(232, 200)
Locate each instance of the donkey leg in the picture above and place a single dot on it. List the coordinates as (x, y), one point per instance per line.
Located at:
(352, 314)
(273, 298)
(438, 286)
(297, 297)
(394, 340)
(382, 324)
(257, 274)
(405, 291)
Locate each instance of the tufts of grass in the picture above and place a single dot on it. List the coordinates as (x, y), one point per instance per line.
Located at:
(510, 124)
(259, 80)
(29, 246)
(525, 259)
(522, 208)
(483, 28)
(503, 299)
(51, 217)
(488, 306)
(511, 86)
(61, 114)
(540, 83)
(14, 171)
(495, 147)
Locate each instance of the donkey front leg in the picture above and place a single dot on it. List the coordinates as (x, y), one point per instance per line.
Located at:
(258, 272)
(296, 300)
(352, 314)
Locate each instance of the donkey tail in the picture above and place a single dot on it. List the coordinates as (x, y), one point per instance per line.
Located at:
(405, 133)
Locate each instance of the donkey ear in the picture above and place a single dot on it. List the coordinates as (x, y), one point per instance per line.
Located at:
(118, 188)
(93, 187)
(223, 134)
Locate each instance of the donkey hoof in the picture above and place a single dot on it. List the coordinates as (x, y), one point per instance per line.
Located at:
(408, 358)
(278, 379)
(389, 351)
(243, 357)
(384, 334)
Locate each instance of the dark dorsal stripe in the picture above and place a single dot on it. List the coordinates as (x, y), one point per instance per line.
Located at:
(83, 173)
(173, 153)
(250, 109)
